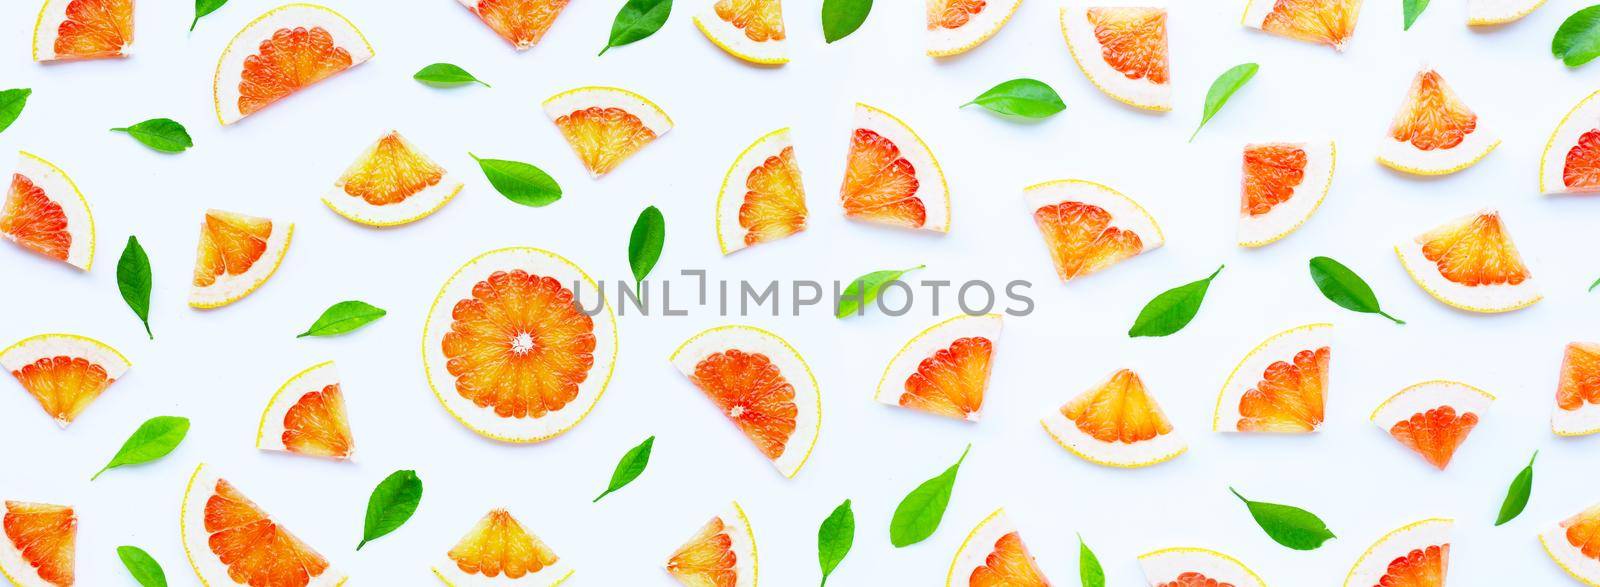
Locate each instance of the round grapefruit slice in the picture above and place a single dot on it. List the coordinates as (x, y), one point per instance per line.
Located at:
(1571, 160)
(40, 546)
(956, 26)
(1416, 555)
(721, 553)
(230, 541)
(64, 372)
(1327, 22)
(237, 253)
(1574, 544)
(751, 30)
(1434, 133)
(390, 184)
(520, 22)
(307, 416)
(1280, 386)
(45, 213)
(604, 125)
(280, 53)
(1122, 50)
(1433, 418)
(1578, 391)
(519, 345)
(762, 385)
(83, 29)
(1471, 264)
(1284, 184)
(1089, 227)
(891, 177)
(498, 551)
(762, 198)
(993, 555)
(1115, 423)
(944, 369)
(1196, 567)
(1493, 12)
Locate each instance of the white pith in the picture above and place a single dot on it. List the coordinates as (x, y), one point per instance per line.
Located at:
(1284, 218)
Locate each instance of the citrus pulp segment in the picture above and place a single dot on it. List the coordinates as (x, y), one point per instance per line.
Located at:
(1122, 50)
(511, 349)
(1416, 555)
(45, 213)
(1470, 263)
(1280, 386)
(63, 372)
(944, 369)
(1574, 545)
(230, 541)
(762, 198)
(1493, 12)
(1434, 133)
(83, 29)
(280, 53)
(721, 553)
(891, 176)
(520, 22)
(1283, 185)
(956, 26)
(606, 126)
(1571, 159)
(498, 551)
(307, 416)
(993, 555)
(40, 544)
(762, 385)
(1577, 411)
(751, 30)
(1326, 22)
(1433, 418)
(1116, 423)
(1196, 567)
(390, 184)
(1088, 227)
(236, 254)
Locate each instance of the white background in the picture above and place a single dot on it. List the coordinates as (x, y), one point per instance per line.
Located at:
(219, 367)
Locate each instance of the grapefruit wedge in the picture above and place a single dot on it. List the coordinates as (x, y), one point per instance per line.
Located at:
(1196, 567)
(1571, 160)
(83, 29)
(1494, 12)
(891, 177)
(64, 372)
(1281, 386)
(993, 555)
(45, 213)
(1471, 264)
(751, 30)
(1115, 423)
(1416, 555)
(762, 385)
(722, 553)
(956, 26)
(1284, 184)
(230, 541)
(762, 198)
(1574, 545)
(1577, 410)
(1434, 133)
(511, 349)
(280, 53)
(944, 369)
(390, 184)
(498, 551)
(1326, 22)
(1088, 227)
(237, 253)
(520, 22)
(307, 416)
(1433, 418)
(40, 545)
(1122, 50)
(604, 125)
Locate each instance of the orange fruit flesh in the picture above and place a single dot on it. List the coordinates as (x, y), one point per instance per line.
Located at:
(317, 425)
(95, 29)
(392, 173)
(498, 544)
(1423, 567)
(1082, 240)
(1475, 251)
(951, 382)
(1133, 41)
(761, 20)
(879, 184)
(707, 560)
(1193, 579)
(63, 385)
(775, 203)
(1271, 172)
(256, 550)
(229, 245)
(750, 391)
(1320, 21)
(604, 137)
(33, 220)
(1008, 565)
(1118, 411)
(1583, 532)
(1433, 117)
(287, 61)
(1580, 377)
(522, 22)
(47, 537)
(520, 345)
(1290, 396)
(1436, 433)
(953, 14)
(1582, 170)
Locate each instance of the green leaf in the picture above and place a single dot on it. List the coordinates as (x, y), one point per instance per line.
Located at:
(1089, 571)
(629, 467)
(644, 243)
(1342, 286)
(446, 75)
(1413, 9)
(1517, 494)
(919, 514)
(1578, 40)
(133, 280)
(1595, 284)
(11, 103)
(1024, 97)
(1288, 525)
(154, 439)
(1222, 89)
(1173, 309)
(142, 566)
(161, 134)
(520, 182)
(842, 17)
(864, 290)
(834, 538)
(391, 504)
(343, 317)
(637, 19)
(204, 7)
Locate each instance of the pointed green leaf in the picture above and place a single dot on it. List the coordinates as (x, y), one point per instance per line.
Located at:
(629, 467)
(637, 19)
(1413, 9)
(1288, 525)
(1517, 494)
(919, 514)
(392, 502)
(865, 289)
(154, 439)
(1342, 286)
(204, 7)
(645, 242)
(1578, 40)
(1090, 574)
(842, 17)
(161, 134)
(834, 538)
(1024, 97)
(11, 104)
(520, 182)
(1173, 309)
(142, 566)
(343, 317)
(1222, 89)
(446, 75)
(133, 280)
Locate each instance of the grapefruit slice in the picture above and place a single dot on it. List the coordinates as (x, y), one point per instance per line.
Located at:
(993, 555)
(1433, 418)
(1471, 264)
(511, 349)
(721, 554)
(1280, 386)
(1493, 12)
(1115, 423)
(956, 26)
(1577, 410)
(64, 372)
(83, 29)
(1434, 133)
(40, 544)
(230, 541)
(1416, 555)
(1574, 544)
(280, 53)
(307, 416)
(237, 253)
(1196, 567)
(520, 22)
(604, 125)
(762, 385)
(1327, 22)
(1122, 50)
(762, 198)
(944, 369)
(1089, 227)
(891, 177)
(1571, 160)
(1284, 184)
(498, 551)
(751, 30)
(390, 184)
(45, 213)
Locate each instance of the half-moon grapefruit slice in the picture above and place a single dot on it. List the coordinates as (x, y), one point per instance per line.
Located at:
(605, 126)
(1471, 264)
(1196, 567)
(390, 184)
(1327, 22)
(83, 29)
(499, 551)
(1434, 133)
(40, 546)
(520, 22)
(1122, 50)
(993, 555)
(1088, 227)
(45, 213)
(944, 369)
(1433, 418)
(519, 345)
(1574, 545)
(231, 541)
(762, 198)
(956, 26)
(307, 416)
(1494, 12)
(282, 52)
(762, 385)
(63, 372)
(1115, 423)
(1571, 160)
(1577, 410)
(1416, 555)
(891, 177)
(1281, 386)
(237, 253)
(1284, 184)
(721, 553)
(751, 30)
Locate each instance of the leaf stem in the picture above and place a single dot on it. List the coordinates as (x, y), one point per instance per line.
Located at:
(1396, 320)
(97, 474)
